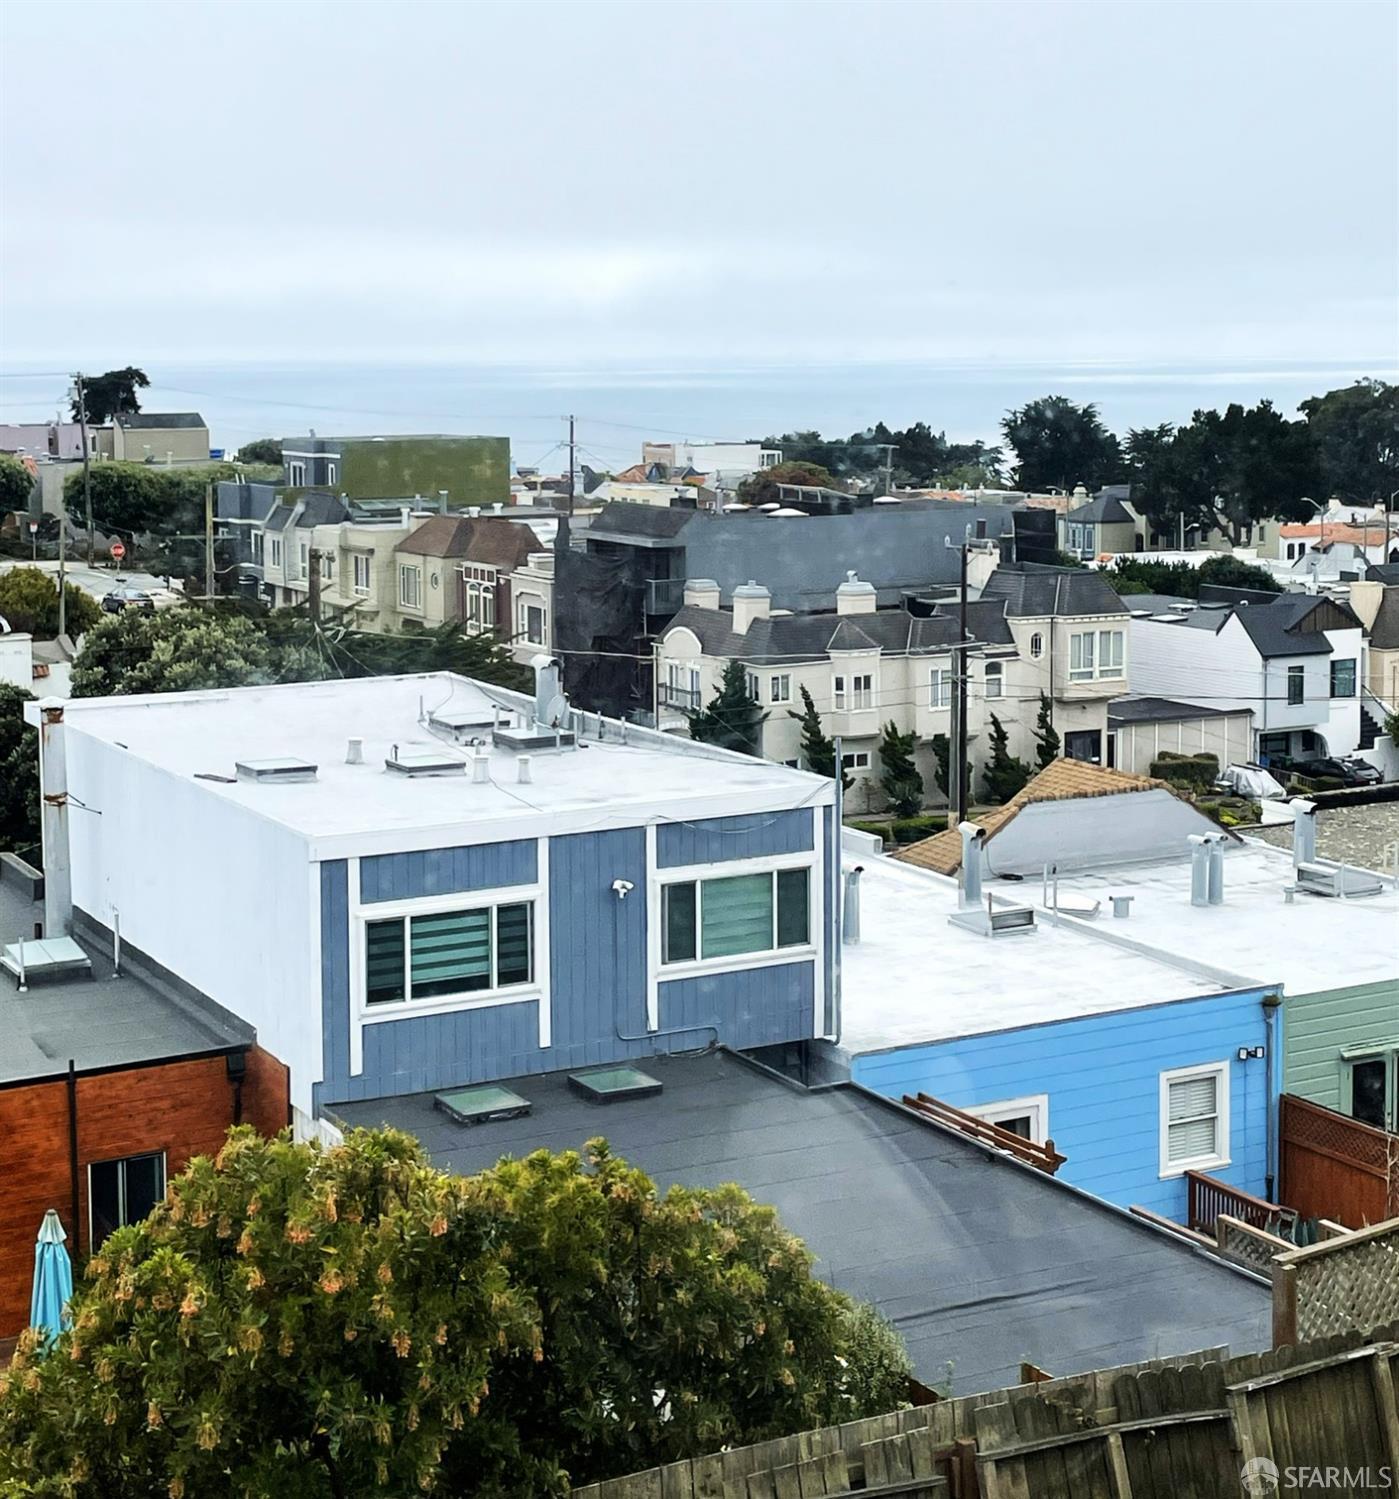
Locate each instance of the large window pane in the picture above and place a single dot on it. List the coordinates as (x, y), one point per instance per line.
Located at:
(514, 944)
(104, 1199)
(450, 953)
(1367, 1084)
(793, 896)
(678, 923)
(736, 915)
(383, 945)
(145, 1185)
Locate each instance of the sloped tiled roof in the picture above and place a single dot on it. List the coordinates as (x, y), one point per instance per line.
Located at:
(1102, 509)
(618, 518)
(486, 539)
(1061, 780)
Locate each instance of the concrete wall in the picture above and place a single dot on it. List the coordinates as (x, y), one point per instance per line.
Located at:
(183, 444)
(1102, 1077)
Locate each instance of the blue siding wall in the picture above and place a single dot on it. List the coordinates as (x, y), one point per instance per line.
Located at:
(442, 871)
(715, 839)
(832, 863)
(1102, 1075)
(597, 959)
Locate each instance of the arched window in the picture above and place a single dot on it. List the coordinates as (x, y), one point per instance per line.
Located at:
(1037, 645)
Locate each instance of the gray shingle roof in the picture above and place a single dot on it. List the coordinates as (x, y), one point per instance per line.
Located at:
(978, 1261)
(1102, 509)
(809, 637)
(1035, 592)
(1129, 709)
(1273, 627)
(318, 508)
(618, 518)
(139, 421)
(1384, 633)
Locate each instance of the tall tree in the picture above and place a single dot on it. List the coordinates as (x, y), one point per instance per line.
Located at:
(29, 602)
(733, 718)
(345, 1322)
(1059, 444)
(17, 484)
(818, 752)
(1229, 471)
(19, 774)
(1046, 735)
(898, 774)
(762, 488)
(263, 450)
(1356, 430)
(112, 394)
(1003, 774)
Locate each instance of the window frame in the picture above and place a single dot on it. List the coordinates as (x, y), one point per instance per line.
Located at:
(764, 957)
(1035, 1105)
(1296, 677)
(122, 1162)
(838, 693)
(994, 680)
(363, 562)
(303, 560)
(752, 681)
(1096, 664)
(331, 473)
(940, 680)
(780, 687)
(1220, 1156)
(855, 760)
(1387, 1054)
(1347, 661)
(490, 898)
(296, 473)
(274, 558)
(864, 691)
(404, 571)
(1036, 645)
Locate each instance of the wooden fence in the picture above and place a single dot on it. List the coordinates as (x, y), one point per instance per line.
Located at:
(1207, 1199)
(1160, 1430)
(1336, 1286)
(1336, 1167)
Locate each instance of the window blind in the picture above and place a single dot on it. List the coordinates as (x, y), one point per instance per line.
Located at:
(384, 962)
(736, 915)
(1192, 1126)
(793, 894)
(450, 953)
(514, 946)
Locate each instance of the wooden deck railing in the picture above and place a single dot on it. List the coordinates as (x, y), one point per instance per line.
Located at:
(1207, 1199)
(1042, 1157)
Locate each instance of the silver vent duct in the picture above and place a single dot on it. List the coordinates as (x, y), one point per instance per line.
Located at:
(972, 837)
(1303, 833)
(850, 932)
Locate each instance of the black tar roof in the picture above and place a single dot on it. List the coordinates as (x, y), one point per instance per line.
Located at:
(101, 1023)
(977, 1260)
(1159, 710)
(136, 421)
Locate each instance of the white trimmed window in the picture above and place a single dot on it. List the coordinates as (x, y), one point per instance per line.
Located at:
(410, 586)
(838, 693)
(296, 474)
(862, 691)
(1096, 653)
(327, 567)
(753, 685)
(447, 955)
(361, 574)
(995, 678)
(1036, 645)
(330, 473)
(531, 622)
(940, 695)
(274, 551)
(780, 687)
(480, 598)
(855, 760)
(303, 559)
(1194, 1118)
(735, 914)
(1026, 1117)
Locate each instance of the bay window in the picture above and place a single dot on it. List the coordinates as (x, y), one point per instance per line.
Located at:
(735, 914)
(862, 691)
(1096, 653)
(995, 678)
(941, 693)
(410, 586)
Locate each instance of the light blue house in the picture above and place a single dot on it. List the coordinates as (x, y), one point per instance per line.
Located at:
(422, 882)
(1139, 1065)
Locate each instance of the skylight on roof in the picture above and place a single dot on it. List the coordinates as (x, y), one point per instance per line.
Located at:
(424, 762)
(609, 1084)
(482, 1104)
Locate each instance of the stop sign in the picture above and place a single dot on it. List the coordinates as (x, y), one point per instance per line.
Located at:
(118, 551)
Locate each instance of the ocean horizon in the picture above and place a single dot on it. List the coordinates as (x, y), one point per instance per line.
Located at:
(618, 406)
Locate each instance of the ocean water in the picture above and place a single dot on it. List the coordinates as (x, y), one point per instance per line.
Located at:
(618, 407)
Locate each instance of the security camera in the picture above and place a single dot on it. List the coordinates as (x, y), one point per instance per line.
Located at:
(622, 888)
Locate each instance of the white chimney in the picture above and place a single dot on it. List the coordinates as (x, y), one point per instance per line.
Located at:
(1080, 496)
(481, 767)
(474, 511)
(701, 593)
(523, 774)
(751, 601)
(53, 781)
(855, 597)
(405, 514)
(354, 752)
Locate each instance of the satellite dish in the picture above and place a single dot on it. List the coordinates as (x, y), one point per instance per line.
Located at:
(556, 710)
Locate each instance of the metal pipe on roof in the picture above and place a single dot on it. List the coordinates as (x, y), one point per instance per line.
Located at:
(53, 789)
(1303, 832)
(972, 835)
(850, 924)
(1216, 871)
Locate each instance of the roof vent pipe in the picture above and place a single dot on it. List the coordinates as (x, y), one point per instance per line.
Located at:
(548, 691)
(850, 929)
(972, 836)
(523, 773)
(404, 512)
(1216, 871)
(442, 501)
(53, 809)
(354, 752)
(480, 768)
(1303, 832)
(1199, 869)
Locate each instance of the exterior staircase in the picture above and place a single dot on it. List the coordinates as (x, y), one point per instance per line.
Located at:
(1372, 716)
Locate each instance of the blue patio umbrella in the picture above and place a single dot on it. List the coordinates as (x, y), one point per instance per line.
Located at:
(53, 1279)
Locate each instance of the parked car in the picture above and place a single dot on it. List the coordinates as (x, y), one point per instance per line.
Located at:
(124, 596)
(1349, 771)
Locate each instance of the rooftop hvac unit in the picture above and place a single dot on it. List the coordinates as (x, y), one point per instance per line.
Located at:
(1007, 921)
(1337, 880)
(535, 737)
(276, 770)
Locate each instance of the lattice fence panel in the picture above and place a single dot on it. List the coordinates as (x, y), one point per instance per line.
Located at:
(1350, 1286)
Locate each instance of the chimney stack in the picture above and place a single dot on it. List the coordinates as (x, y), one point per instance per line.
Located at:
(855, 597)
(701, 593)
(751, 601)
(53, 781)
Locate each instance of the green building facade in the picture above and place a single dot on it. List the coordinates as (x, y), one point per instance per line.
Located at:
(1341, 1050)
(472, 470)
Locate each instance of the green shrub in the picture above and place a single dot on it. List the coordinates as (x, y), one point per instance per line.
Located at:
(912, 829)
(1190, 772)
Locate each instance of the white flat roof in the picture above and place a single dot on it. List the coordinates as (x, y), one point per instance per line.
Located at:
(913, 977)
(1317, 942)
(628, 777)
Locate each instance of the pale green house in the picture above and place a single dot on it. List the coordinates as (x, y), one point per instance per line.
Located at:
(1341, 1049)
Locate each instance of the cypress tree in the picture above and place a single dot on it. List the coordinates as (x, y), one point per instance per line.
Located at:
(733, 718)
(1046, 736)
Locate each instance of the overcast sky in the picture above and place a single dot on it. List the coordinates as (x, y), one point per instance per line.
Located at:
(1135, 182)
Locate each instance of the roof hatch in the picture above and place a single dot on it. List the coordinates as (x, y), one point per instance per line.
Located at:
(609, 1084)
(481, 1105)
(424, 762)
(275, 770)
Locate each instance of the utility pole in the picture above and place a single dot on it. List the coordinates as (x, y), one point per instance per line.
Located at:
(572, 461)
(889, 451)
(961, 745)
(313, 582)
(62, 567)
(87, 461)
(209, 541)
